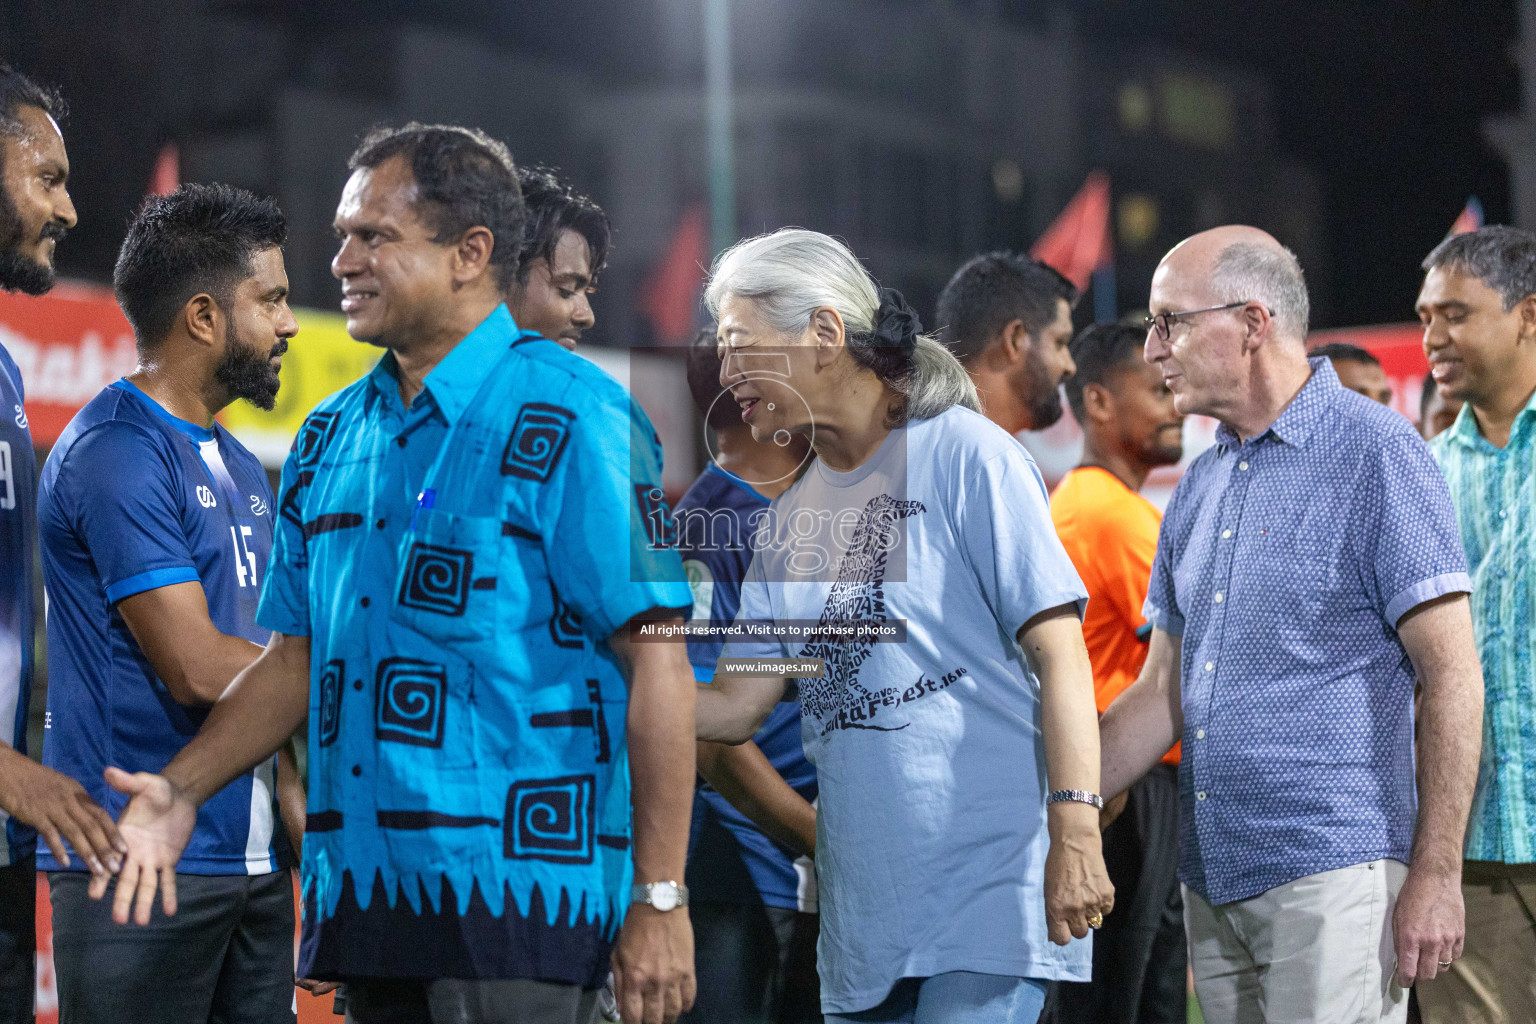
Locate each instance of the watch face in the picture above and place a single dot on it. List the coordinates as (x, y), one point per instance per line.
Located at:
(664, 896)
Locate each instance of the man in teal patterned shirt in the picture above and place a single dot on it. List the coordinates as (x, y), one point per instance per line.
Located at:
(1478, 306)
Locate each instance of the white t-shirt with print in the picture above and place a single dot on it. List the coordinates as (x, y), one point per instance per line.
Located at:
(931, 838)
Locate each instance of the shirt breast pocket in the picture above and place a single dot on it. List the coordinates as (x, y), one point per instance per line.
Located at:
(1321, 603)
(446, 585)
(1303, 589)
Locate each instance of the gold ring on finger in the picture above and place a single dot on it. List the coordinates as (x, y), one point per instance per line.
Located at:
(1445, 963)
(1096, 921)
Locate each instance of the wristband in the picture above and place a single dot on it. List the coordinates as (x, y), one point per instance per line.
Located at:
(1076, 796)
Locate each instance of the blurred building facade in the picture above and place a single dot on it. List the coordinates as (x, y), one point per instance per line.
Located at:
(920, 132)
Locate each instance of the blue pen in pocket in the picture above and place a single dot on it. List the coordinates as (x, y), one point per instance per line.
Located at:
(426, 499)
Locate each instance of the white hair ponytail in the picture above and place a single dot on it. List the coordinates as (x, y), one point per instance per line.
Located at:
(793, 272)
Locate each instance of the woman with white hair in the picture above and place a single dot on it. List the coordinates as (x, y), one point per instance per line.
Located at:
(953, 728)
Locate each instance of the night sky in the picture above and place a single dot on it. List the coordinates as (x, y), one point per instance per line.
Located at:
(1385, 102)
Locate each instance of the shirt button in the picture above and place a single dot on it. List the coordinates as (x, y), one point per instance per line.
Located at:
(1503, 513)
(400, 441)
(379, 524)
(1199, 734)
(357, 684)
(1225, 534)
(1241, 465)
(357, 769)
(1198, 796)
(365, 602)
(1210, 666)
(1218, 597)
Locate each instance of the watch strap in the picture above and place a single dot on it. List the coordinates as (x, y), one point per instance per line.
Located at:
(1076, 796)
(642, 893)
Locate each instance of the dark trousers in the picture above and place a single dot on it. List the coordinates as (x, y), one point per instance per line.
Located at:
(18, 939)
(225, 958)
(1140, 961)
(755, 965)
(451, 1001)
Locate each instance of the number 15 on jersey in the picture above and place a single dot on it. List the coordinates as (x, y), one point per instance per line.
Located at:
(245, 558)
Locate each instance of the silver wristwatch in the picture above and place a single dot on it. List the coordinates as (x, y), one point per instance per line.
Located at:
(1076, 796)
(664, 896)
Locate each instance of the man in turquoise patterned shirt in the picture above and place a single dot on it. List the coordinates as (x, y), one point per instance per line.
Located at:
(463, 537)
(1478, 306)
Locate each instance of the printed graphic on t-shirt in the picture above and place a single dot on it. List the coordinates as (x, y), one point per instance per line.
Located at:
(838, 700)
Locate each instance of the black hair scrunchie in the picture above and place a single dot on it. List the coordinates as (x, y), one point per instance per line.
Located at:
(896, 323)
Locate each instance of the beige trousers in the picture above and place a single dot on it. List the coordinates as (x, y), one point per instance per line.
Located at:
(1494, 982)
(1314, 951)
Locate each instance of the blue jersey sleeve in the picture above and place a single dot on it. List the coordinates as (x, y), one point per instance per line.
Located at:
(716, 564)
(610, 549)
(716, 595)
(284, 606)
(130, 522)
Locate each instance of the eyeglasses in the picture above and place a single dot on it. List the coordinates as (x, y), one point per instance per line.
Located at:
(1163, 323)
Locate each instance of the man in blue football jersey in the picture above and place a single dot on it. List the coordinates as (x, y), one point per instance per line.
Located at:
(754, 827)
(464, 539)
(35, 212)
(156, 527)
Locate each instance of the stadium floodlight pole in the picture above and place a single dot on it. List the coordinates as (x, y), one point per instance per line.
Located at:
(718, 103)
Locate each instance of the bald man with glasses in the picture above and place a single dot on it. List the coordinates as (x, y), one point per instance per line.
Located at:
(1308, 570)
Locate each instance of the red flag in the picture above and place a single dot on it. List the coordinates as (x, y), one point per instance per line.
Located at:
(670, 296)
(1470, 218)
(166, 176)
(1077, 243)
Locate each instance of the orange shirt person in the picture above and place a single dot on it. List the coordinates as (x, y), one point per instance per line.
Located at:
(1110, 531)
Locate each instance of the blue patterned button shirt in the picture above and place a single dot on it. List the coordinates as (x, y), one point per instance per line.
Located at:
(459, 567)
(1285, 564)
(1491, 488)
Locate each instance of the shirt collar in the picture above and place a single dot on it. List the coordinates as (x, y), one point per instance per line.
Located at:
(453, 382)
(1464, 430)
(1300, 418)
(192, 430)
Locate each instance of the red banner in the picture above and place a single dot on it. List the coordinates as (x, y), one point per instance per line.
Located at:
(1401, 351)
(69, 344)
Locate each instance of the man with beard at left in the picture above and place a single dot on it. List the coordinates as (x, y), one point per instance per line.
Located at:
(1008, 319)
(35, 213)
(156, 526)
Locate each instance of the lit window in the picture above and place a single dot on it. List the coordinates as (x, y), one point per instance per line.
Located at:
(1197, 110)
(1136, 219)
(1135, 104)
